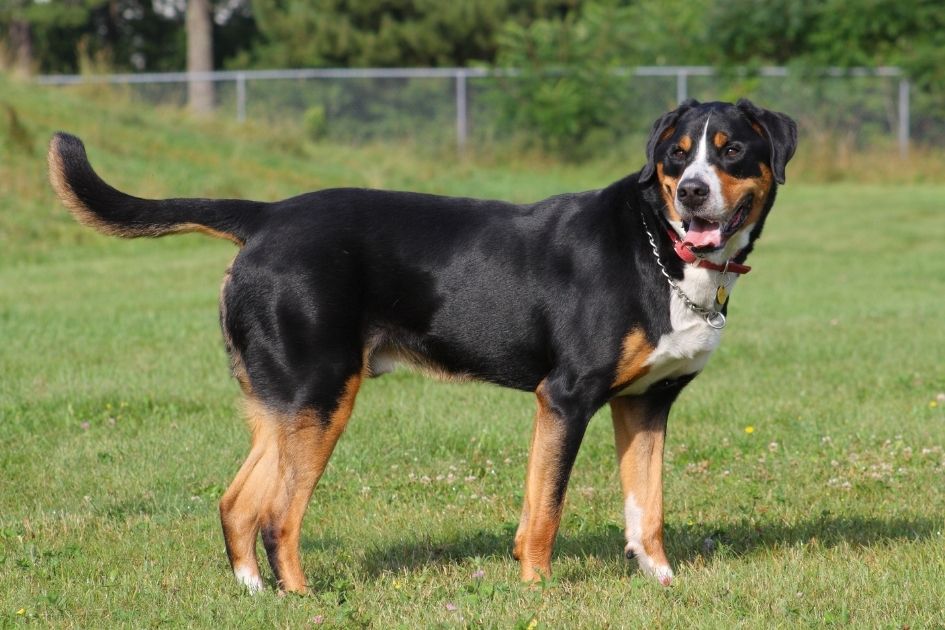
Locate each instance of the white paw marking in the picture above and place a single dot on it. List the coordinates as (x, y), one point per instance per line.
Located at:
(634, 515)
(249, 578)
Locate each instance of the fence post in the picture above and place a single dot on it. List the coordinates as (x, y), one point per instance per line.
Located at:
(240, 97)
(461, 126)
(682, 87)
(904, 118)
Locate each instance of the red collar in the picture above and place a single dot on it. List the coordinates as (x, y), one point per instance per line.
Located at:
(686, 254)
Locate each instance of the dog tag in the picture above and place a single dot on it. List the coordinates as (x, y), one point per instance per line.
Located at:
(721, 295)
(715, 319)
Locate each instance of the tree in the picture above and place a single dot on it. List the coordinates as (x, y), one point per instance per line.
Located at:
(387, 32)
(68, 36)
(21, 42)
(34, 28)
(200, 93)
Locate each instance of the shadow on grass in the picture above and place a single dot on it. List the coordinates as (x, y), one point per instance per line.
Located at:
(684, 543)
(745, 537)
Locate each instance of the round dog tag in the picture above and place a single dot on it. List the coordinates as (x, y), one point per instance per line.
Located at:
(715, 320)
(721, 295)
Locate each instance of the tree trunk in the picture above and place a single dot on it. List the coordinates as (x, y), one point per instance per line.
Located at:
(21, 43)
(199, 55)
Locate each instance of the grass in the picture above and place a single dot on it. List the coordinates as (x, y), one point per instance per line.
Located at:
(804, 469)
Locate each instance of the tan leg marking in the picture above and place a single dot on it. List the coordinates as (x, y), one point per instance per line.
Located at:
(273, 488)
(633, 356)
(640, 458)
(239, 507)
(542, 511)
(519, 545)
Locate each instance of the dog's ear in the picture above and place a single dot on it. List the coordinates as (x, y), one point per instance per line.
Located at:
(780, 131)
(665, 123)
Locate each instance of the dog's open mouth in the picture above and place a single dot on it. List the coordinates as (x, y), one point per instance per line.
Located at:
(706, 236)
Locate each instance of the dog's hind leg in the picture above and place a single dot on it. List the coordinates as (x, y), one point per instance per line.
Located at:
(239, 507)
(639, 433)
(274, 485)
(306, 443)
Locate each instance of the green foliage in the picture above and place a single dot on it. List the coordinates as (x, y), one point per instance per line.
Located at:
(833, 33)
(314, 122)
(14, 136)
(116, 35)
(386, 32)
(564, 91)
(72, 14)
(567, 92)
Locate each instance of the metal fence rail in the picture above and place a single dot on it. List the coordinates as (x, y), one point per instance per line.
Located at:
(683, 77)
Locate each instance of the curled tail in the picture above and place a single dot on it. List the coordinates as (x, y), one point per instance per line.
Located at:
(98, 205)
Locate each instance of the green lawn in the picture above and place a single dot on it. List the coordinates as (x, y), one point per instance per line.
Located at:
(804, 473)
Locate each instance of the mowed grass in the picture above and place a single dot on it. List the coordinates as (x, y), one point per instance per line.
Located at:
(804, 474)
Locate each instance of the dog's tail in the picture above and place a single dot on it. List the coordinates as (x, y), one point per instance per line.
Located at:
(98, 205)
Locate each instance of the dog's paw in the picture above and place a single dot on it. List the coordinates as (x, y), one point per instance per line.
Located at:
(661, 572)
(250, 579)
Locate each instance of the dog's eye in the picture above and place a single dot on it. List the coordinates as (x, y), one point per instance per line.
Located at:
(677, 153)
(732, 150)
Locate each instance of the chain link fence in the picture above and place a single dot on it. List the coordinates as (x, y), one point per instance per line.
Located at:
(863, 107)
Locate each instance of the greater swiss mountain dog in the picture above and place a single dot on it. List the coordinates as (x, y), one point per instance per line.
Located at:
(608, 296)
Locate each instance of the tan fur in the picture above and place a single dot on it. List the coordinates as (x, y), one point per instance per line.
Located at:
(668, 190)
(413, 361)
(239, 506)
(734, 190)
(541, 516)
(640, 458)
(183, 228)
(685, 143)
(237, 367)
(272, 489)
(57, 177)
(720, 139)
(634, 353)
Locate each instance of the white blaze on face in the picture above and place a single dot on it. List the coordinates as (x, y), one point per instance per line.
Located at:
(700, 168)
(634, 515)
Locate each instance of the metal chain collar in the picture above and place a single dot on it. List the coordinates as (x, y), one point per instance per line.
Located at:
(715, 319)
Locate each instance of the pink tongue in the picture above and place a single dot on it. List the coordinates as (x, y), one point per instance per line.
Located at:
(703, 234)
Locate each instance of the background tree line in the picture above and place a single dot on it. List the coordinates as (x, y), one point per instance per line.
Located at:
(587, 38)
(148, 35)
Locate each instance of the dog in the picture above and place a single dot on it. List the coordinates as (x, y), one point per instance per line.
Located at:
(610, 296)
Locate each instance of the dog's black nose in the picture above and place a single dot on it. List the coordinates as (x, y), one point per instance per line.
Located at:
(692, 192)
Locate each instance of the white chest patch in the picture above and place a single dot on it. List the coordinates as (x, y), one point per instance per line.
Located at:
(688, 347)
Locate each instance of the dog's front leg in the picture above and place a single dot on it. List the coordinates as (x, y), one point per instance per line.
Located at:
(560, 423)
(639, 432)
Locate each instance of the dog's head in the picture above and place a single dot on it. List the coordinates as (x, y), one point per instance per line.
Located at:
(717, 166)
